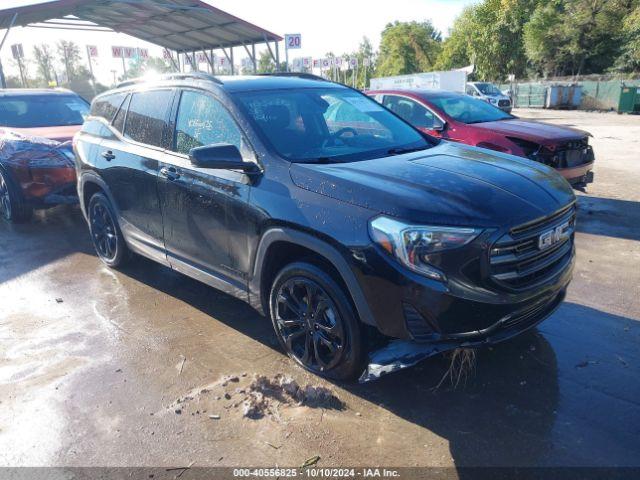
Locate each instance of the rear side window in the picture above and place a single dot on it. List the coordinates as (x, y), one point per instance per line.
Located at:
(147, 116)
(118, 122)
(202, 120)
(107, 106)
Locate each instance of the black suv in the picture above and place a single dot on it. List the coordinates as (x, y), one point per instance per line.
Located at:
(325, 211)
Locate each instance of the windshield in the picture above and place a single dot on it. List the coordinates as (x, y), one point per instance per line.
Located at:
(466, 109)
(328, 125)
(31, 111)
(488, 89)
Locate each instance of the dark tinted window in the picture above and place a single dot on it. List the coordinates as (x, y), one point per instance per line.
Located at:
(202, 120)
(107, 106)
(146, 117)
(30, 111)
(118, 122)
(409, 110)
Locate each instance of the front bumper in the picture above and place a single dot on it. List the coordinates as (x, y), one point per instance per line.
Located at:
(580, 175)
(409, 306)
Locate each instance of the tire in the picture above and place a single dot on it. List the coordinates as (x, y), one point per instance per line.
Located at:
(106, 235)
(13, 207)
(315, 322)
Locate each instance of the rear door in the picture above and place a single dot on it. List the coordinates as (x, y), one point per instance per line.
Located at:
(205, 226)
(131, 161)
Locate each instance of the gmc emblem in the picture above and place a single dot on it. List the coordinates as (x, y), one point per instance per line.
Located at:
(558, 234)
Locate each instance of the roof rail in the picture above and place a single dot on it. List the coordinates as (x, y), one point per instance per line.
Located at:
(172, 76)
(309, 76)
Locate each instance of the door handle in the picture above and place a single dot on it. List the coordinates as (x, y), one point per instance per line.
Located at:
(170, 173)
(108, 155)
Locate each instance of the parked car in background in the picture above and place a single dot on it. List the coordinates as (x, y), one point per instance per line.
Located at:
(489, 93)
(56, 114)
(36, 158)
(461, 118)
(334, 228)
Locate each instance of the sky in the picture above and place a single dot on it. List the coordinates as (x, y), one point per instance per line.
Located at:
(326, 25)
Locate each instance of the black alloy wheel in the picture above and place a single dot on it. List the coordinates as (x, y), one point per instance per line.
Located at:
(309, 324)
(13, 207)
(5, 199)
(315, 323)
(105, 232)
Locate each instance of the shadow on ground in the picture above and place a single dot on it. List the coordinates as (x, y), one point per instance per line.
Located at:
(609, 217)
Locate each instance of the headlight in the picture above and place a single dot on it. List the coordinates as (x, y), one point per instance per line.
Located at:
(492, 100)
(412, 244)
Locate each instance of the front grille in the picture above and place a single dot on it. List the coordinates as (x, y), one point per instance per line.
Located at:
(504, 103)
(566, 155)
(517, 261)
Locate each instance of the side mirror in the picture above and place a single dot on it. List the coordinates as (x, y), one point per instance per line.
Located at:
(221, 156)
(438, 125)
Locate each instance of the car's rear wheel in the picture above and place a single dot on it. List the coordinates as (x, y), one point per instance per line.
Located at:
(105, 232)
(315, 322)
(13, 208)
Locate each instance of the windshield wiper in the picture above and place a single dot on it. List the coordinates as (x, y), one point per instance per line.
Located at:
(400, 151)
(320, 160)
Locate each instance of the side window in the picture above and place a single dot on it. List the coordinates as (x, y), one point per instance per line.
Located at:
(107, 106)
(118, 121)
(146, 117)
(409, 110)
(470, 90)
(202, 120)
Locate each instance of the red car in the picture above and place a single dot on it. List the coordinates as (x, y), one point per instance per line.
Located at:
(36, 159)
(461, 118)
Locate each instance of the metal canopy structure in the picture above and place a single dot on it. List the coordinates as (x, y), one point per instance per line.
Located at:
(183, 26)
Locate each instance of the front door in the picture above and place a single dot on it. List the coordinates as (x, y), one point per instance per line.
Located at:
(200, 206)
(414, 113)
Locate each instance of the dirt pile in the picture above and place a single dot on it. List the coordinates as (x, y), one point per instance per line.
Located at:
(256, 397)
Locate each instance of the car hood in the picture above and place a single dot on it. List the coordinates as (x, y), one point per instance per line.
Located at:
(449, 184)
(60, 134)
(539, 132)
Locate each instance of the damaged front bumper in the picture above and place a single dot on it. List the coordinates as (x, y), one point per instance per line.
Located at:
(400, 354)
(44, 169)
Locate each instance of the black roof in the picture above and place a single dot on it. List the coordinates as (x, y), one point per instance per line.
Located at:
(275, 82)
(239, 83)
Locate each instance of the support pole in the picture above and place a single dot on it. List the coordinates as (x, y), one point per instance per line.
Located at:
(176, 66)
(253, 57)
(224, 50)
(233, 67)
(273, 57)
(3, 81)
(209, 60)
(277, 56)
(93, 80)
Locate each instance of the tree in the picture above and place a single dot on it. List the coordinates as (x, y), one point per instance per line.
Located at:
(456, 50)
(629, 59)
(44, 61)
(143, 66)
(408, 47)
(266, 63)
(489, 35)
(574, 37)
(69, 56)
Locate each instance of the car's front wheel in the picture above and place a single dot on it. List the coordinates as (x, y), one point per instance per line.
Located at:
(105, 232)
(13, 208)
(315, 322)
